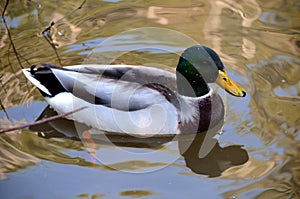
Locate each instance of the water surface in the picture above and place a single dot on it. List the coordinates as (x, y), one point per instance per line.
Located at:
(257, 156)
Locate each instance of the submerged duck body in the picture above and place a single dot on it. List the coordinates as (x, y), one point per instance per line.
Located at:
(137, 99)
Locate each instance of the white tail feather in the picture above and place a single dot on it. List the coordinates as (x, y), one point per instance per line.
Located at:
(35, 81)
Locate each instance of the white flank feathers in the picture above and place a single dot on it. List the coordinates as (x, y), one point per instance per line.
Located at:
(156, 119)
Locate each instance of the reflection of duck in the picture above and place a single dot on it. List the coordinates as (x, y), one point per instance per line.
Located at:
(216, 159)
(137, 99)
(202, 153)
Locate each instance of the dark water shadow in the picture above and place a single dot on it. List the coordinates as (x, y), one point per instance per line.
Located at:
(217, 160)
(202, 152)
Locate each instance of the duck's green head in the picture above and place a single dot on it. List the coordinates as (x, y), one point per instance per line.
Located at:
(199, 65)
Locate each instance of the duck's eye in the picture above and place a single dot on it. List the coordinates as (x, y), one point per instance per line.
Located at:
(225, 79)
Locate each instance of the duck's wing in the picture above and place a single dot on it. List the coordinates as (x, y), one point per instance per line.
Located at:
(122, 87)
(136, 74)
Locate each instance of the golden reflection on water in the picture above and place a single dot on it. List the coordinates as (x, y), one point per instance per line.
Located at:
(12, 158)
(136, 193)
(259, 40)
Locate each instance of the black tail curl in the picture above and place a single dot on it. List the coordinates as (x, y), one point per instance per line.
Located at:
(46, 77)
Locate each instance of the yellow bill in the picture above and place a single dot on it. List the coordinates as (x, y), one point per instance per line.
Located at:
(229, 85)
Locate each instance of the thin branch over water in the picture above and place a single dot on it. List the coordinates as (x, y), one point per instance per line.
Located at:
(9, 35)
(48, 28)
(4, 110)
(41, 121)
(46, 32)
(52, 44)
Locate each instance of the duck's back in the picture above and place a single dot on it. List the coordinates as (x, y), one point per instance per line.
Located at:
(122, 87)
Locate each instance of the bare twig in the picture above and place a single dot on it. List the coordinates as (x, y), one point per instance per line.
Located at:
(1, 104)
(41, 121)
(48, 28)
(50, 41)
(3, 11)
(4, 110)
(46, 32)
(9, 62)
(9, 35)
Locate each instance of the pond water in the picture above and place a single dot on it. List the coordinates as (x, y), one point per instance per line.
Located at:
(256, 156)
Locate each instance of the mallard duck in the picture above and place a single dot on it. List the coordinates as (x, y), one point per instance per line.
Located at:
(138, 99)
